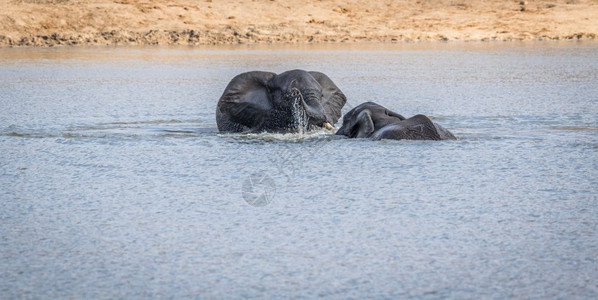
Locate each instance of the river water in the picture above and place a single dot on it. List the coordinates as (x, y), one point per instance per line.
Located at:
(114, 182)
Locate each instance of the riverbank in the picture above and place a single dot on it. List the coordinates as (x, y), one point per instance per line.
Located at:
(180, 22)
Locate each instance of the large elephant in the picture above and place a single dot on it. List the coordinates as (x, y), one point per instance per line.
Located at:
(292, 101)
(370, 120)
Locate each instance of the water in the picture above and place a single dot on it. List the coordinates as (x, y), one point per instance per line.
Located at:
(115, 183)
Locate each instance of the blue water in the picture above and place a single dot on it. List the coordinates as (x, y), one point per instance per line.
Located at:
(114, 182)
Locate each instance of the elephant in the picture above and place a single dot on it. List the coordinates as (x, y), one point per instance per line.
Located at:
(371, 120)
(293, 101)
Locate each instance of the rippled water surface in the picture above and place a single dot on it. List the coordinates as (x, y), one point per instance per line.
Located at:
(114, 182)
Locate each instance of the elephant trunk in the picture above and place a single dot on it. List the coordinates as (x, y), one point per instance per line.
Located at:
(311, 101)
(298, 111)
(305, 110)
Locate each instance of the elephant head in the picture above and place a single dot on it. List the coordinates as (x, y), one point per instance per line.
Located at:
(288, 102)
(370, 120)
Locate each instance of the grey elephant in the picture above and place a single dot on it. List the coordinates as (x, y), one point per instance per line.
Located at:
(292, 101)
(371, 120)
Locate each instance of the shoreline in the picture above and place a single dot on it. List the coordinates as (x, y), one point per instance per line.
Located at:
(47, 23)
(336, 45)
(190, 38)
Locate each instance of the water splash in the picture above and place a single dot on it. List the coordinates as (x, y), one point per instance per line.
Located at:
(299, 116)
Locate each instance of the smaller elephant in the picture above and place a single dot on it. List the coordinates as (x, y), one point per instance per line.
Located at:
(371, 120)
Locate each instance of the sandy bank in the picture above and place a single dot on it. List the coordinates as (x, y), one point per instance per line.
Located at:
(204, 22)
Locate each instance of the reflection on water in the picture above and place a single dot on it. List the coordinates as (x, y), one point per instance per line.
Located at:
(182, 53)
(116, 183)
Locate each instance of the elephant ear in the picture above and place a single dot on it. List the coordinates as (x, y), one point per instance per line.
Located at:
(245, 102)
(333, 99)
(418, 127)
(359, 126)
(394, 114)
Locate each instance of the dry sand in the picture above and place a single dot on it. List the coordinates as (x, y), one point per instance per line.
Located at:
(203, 22)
